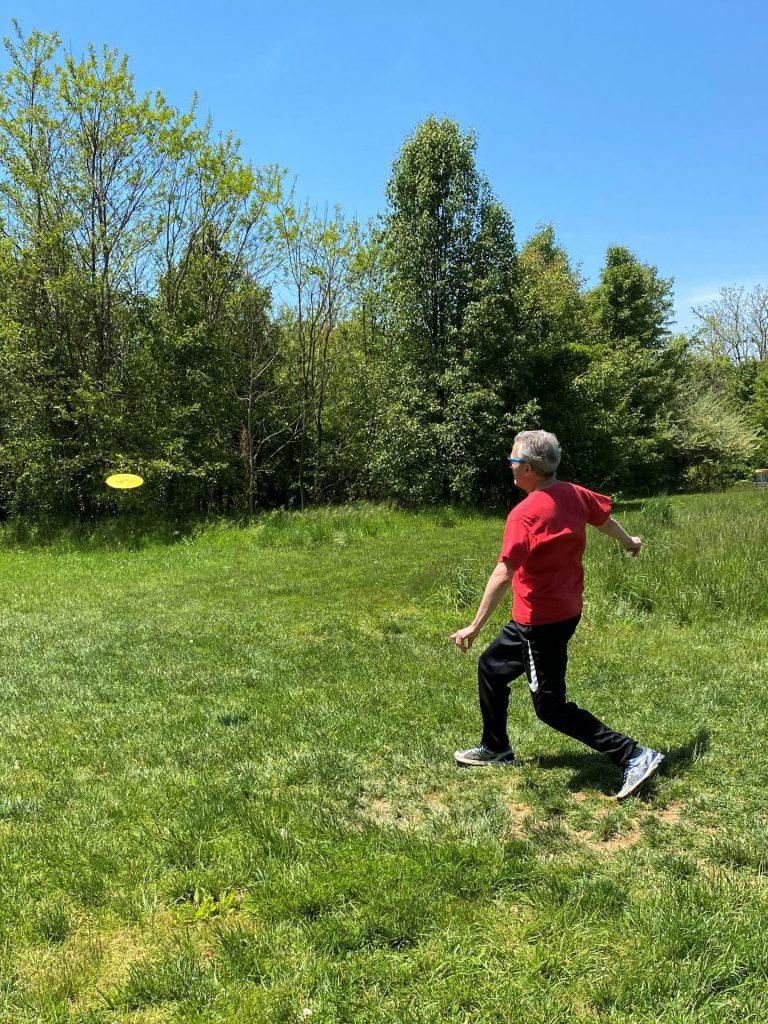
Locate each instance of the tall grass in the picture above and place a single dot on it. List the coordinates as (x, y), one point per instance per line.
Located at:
(706, 557)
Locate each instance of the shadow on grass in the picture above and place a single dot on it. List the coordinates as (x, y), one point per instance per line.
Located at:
(593, 771)
(139, 529)
(127, 532)
(629, 505)
(678, 759)
(233, 719)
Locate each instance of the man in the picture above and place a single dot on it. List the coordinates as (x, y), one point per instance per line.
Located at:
(541, 556)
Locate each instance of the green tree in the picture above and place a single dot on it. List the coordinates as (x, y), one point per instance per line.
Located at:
(758, 410)
(450, 262)
(362, 385)
(633, 305)
(626, 400)
(129, 232)
(716, 442)
(318, 251)
(555, 326)
(80, 154)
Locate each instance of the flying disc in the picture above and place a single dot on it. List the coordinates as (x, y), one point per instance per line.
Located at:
(124, 481)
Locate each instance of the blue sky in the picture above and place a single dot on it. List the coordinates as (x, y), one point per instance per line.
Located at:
(642, 124)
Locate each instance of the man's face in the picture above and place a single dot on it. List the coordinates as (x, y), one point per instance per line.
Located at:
(521, 471)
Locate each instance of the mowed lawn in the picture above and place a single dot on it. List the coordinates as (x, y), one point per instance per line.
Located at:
(227, 790)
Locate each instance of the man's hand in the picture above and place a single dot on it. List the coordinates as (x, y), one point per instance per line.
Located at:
(634, 547)
(495, 589)
(464, 638)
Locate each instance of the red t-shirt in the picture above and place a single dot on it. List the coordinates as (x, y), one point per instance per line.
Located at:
(544, 542)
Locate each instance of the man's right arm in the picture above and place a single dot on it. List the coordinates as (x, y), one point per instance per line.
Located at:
(514, 549)
(615, 530)
(495, 590)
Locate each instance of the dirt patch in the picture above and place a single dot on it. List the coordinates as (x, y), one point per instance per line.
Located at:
(382, 811)
(623, 842)
(417, 810)
(407, 813)
(671, 813)
(519, 826)
(437, 802)
(613, 844)
(518, 810)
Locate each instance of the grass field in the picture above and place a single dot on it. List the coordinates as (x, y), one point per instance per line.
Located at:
(227, 792)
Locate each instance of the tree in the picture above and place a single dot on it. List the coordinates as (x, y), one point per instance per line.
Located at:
(433, 198)
(555, 325)
(266, 427)
(633, 305)
(128, 231)
(716, 442)
(627, 396)
(362, 386)
(735, 325)
(81, 155)
(317, 252)
(450, 263)
(758, 410)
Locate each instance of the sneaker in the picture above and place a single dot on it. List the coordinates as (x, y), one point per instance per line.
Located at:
(482, 755)
(639, 769)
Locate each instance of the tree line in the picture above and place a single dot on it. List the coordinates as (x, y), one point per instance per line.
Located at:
(167, 308)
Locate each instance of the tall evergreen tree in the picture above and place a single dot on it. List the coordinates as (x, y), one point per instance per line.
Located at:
(555, 325)
(632, 303)
(450, 259)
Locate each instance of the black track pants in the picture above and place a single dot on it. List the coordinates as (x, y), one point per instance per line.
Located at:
(542, 653)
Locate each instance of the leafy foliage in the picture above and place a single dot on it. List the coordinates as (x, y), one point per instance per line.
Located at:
(168, 308)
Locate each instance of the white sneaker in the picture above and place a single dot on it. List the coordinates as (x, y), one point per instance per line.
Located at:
(482, 755)
(639, 769)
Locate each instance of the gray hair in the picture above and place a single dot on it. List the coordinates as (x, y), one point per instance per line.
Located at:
(540, 449)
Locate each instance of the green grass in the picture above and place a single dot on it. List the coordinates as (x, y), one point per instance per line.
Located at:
(227, 793)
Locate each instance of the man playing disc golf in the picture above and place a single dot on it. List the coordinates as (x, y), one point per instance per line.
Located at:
(541, 558)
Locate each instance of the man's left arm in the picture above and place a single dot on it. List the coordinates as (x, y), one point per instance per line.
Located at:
(615, 530)
(495, 589)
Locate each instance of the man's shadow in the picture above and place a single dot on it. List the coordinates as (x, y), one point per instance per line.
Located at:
(596, 772)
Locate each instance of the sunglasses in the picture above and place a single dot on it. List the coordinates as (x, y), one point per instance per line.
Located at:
(511, 461)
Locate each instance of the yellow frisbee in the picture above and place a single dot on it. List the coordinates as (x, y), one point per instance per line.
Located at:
(124, 481)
